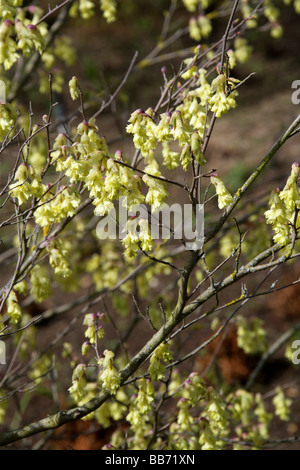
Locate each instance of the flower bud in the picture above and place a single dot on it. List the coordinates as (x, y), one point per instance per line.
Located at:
(22, 172)
(73, 87)
(101, 316)
(5, 29)
(31, 27)
(119, 155)
(85, 348)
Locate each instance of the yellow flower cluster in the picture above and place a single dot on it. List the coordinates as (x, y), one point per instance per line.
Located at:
(13, 308)
(108, 8)
(109, 377)
(40, 283)
(162, 355)
(284, 205)
(18, 32)
(86, 9)
(140, 412)
(224, 197)
(93, 331)
(200, 27)
(251, 335)
(26, 184)
(7, 120)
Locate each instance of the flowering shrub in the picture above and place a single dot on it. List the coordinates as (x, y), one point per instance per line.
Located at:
(60, 177)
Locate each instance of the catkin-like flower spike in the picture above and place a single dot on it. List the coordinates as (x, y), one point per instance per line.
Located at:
(184, 418)
(205, 26)
(203, 91)
(290, 193)
(171, 158)
(74, 89)
(282, 405)
(196, 148)
(145, 396)
(220, 102)
(145, 236)
(224, 197)
(144, 130)
(109, 377)
(242, 50)
(86, 9)
(190, 5)
(181, 131)
(163, 128)
(109, 8)
(14, 311)
(29, 38)
(277, 217)
(22, 173)
(162, 355)
(192, 68)
(79, 383)
(185, 157)
(21, 189)
(40, 283)
(8, 46)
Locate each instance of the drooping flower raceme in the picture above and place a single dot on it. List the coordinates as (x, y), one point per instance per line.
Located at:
(162, 355)
(13, 308)
(108, 8)
(79, 383)
(40, 283)
(277, 217)
(224, 197)
(221, 100)
(109, 377)
(8, 47)
(144, 130)
(284, 206)
(282, 405)
(73, 87)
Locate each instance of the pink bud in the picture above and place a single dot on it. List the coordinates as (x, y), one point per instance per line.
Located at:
(193, 374)
(32, 27)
